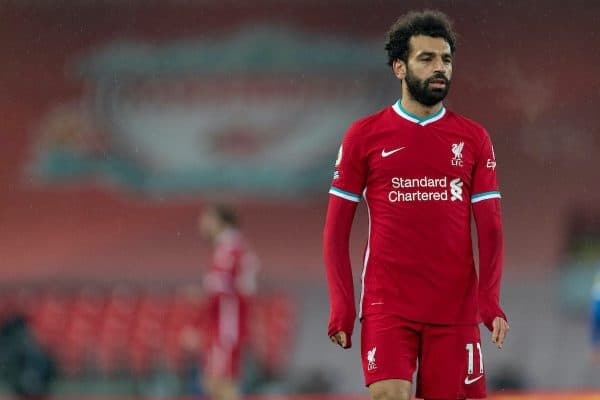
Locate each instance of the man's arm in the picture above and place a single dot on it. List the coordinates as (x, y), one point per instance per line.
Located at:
(491, 251)
(336, 251)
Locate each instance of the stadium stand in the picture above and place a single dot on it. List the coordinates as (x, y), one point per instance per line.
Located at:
(133, 331)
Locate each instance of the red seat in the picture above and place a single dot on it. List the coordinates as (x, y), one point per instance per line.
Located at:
(82, 329)
(49, 321)
(115, 328)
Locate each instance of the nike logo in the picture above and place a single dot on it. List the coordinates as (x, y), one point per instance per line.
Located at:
(469, 381)
(389, 153)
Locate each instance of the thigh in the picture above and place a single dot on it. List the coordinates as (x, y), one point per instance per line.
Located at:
(451, 363)
(389, 348)
(390, 389)
(222, 357)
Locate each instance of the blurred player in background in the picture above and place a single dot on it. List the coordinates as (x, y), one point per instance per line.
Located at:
(422, 170)
(229, 283)
(595, 318)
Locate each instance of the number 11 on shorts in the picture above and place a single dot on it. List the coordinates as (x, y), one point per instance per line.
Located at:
(470, 350)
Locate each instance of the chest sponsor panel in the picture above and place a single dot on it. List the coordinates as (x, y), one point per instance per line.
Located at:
(432, 170)
(421, 189)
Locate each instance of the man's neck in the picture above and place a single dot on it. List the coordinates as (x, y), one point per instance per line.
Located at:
(414, 107)
(225, 233)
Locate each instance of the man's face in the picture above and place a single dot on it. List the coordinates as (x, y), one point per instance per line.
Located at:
(429, 69)
(208, 224)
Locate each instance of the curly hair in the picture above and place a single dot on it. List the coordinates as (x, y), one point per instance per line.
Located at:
(226, 214)
(428, 23)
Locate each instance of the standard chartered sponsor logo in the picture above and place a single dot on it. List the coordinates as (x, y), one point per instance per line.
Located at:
(434, 189)
(456, 189)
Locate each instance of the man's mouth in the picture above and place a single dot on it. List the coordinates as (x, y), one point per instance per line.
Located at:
(437, 83)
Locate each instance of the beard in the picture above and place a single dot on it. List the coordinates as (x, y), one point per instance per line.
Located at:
(422, 92)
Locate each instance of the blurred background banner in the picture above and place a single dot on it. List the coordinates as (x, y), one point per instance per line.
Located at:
(121, 119)
(252, 112)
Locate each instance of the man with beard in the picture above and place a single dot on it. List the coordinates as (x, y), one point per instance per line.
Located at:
(422, 170)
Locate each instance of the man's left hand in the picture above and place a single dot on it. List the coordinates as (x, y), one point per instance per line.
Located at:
(499, 332)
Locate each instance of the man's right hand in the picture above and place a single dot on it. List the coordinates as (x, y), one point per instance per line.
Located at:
(340, 339)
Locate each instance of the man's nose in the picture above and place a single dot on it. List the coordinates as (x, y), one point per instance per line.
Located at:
(440, 66)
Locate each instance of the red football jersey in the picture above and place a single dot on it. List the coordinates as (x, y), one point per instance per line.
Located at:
(233, 268)
(418, 178)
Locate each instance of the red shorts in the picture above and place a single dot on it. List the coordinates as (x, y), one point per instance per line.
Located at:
(225, 334)
(449, 356)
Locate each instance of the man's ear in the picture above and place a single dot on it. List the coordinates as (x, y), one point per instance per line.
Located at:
(399, 68)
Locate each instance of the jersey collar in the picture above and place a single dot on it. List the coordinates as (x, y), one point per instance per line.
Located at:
(228, 236)
(413, 118)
